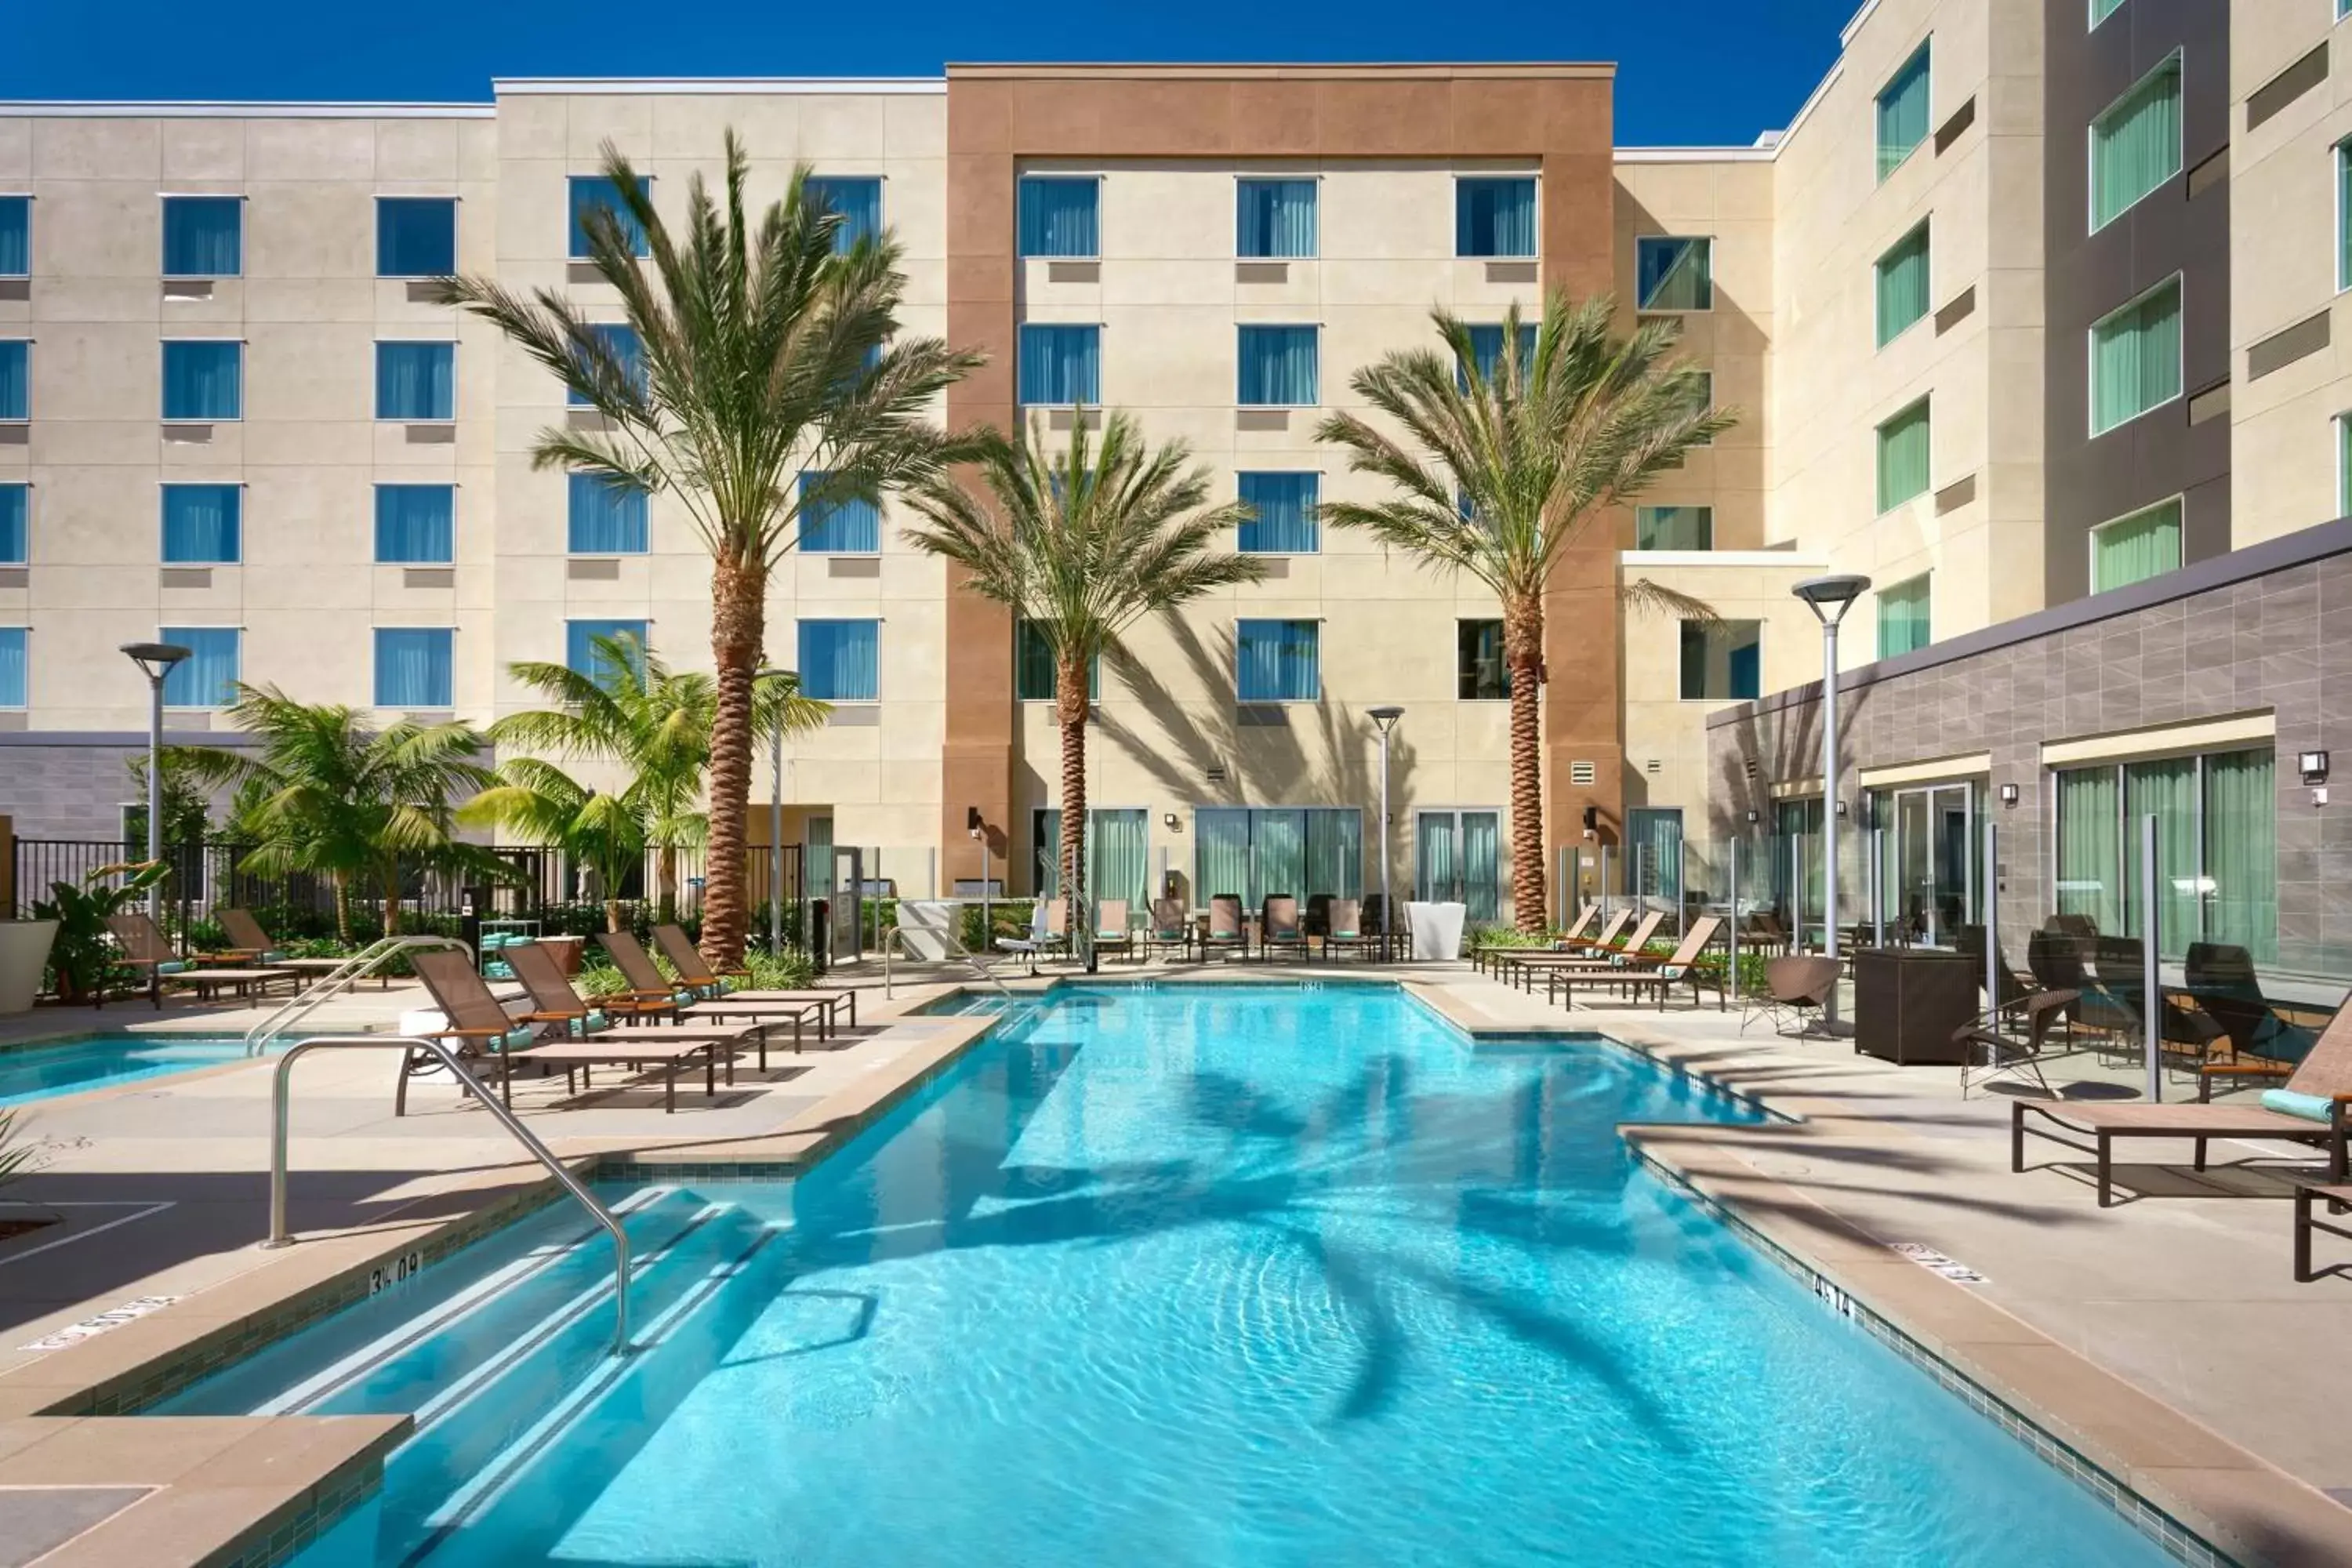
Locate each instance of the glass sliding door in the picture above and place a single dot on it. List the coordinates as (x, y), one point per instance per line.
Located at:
(1797, 885)
(2216, 847)
(1653, 856)
(1457, 859)
(1118, 848)
(1257, 853)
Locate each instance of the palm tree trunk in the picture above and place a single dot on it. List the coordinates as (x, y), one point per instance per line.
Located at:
(1523, 639)
(737, 618)
(667, 873)
(343, 910)
(392, 899)
(1070, 713)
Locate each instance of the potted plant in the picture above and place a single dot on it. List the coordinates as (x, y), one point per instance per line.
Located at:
(24, 958)
(81, 954)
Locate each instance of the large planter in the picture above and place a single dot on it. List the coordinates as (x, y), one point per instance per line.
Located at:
(23, 954)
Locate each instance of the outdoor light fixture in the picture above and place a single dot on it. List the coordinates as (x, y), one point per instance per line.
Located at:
(1830, 598)
(1754, 816)
(1172, 822)
(156, 661)
(1384, 717)
(2008, 795)
(2314, 766)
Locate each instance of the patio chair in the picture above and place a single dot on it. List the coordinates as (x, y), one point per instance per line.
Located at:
(1278, 927)
(1380, 920)
(2220, 977)
(1112, 928)
(2011, 1036)
(1638, 971)
(1482, 955)
(644, 980)
(1346, 929)
(687, 960)
(556, 1004)
(145, 949)
(1508, 960)
(1525, 967)
(1028, 947)
(696, 975)
(248, 933)
(1795, 983)
(1169, 928)
(1227, 930)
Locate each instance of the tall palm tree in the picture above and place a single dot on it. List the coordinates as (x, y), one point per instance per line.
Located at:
(764, 350)
(1082, 543)
(548, 805)
(1501, 462)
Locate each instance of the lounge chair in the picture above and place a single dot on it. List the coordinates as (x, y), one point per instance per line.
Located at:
(699, 976)
(1380, 920)
(1279, 929)
(146, 949)
(247, 934)
(2011, 1037)
(1347, 933)
(1481, 955)
(1028, 947)
(1169, 929)
(1227, 933)
(644, 980)
(1112, 928)
(1525, 967)
(1507, 959)
(2310, 1109)
(1795, 983)
(556, 1004)
(1638, 971)
(2220, 977)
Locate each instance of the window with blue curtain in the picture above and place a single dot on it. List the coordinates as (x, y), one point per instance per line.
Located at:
(1060, 365)
(203, 237)
(1723, 662)
(1275, 218)
(13, 684)
(416, 525)
(1903, 617)
(620, 340)
(204, 379)
(1036, 675)
(2135, 358)
(851, 525)
(207, 677)
(858, 200)
(15, 524)
(1903, 114)
(605, 519)
(415, 237)
(1495, 216)
(1487, 352)
(417, 381)
(1278, 662)
(1673, 528)
(1061, 215)
(203, 524)
(841, 661)
(411, 666)
(1279, 366)
(1671, 274)
(15, 235)
(594, 193)
(1285, 522)
(2136, 144)
(583, 657)
(16, 379)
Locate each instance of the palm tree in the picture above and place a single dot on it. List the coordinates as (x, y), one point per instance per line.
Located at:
(764, 352)
(548, 805)
(1082, 544)
(1500, 467)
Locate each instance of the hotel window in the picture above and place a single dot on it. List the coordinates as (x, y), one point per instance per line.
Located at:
(2216, 844)
(1495, 217)
(1278, 662)
(1673, 274)
(604, 518)
(1902, 284)
(620, 342)
(1486, 353)
(411, 666)
(2135, 358)
(416, 525)
(1903, 617)
(203, 525)
(845, 525)
(1060, 365)
(15, 237)
(1479, 672)
(204, 379)
(1255, 854)
(15, 524)
(1723, 662)
(1673, 528)
(1033, 671)
(1118, 855)
(1904, 451)
(858, 200)
(2102, 9)
(1061, 216)
(2135, 548)
(2344, 457)
(415, 237)
(1278, 367)
(841, 661)
(1903, 114)
(596, 193)
(207, 677)
(1286, 521)
(16, 379)
(14, 683)
(628, 639)
(2136, 144)
(203, 237)
(1275, 218)
(2344, 212)
(416, 382)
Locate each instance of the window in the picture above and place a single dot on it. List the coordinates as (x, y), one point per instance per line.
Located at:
(416, 525)
(204, 379)
(1275, 218)
(202, 524)
(858, 200)
(1278, 662)
(841, 660)
(2136, 144)
(1479, 673)
(1061, 216)
(1060, 365)
(13, 672)
(596, 193)
(415, 237)
(1902, 284)
(2135, 358)
(2102, 9)
(620, 342)
(1903, 623)
(1486, 353)
(207, 677)
(1277, 366)
(1722, 663)
(1904, 444)
(848, 525)
(581, 654)
(417, 381)
(15, 237)
(2344, 212)
(2135, 548)
(203, 237)
(1118, 855)
(2217, 848)
(604, 518)
(16, 379)
(1286, 524)
(1673, 274)
(411, 666)
(15, 524)
(2344, 457)
(1673, 528)
(1495, 216)
(1256, 854)
(1033, 673)
(1903, 114)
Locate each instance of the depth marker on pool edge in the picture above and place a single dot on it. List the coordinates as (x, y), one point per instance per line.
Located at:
(1928, 1257)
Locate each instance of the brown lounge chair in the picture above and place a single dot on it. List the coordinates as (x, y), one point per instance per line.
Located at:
(1525, 967)
(1347, 933)
(2010, 1037)
(1112, 932)
(1481, 956)
(1278, 927)
(147, 949)
(247, 934)
(1169, 929)
(556, 1004)
(1795, 983)
(646, 980)
(1506, 960)
(1638, 969)
(1227, 931)
(2325, 1076)
(696, 973)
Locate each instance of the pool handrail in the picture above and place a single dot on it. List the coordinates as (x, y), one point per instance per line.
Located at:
(895, 936)
(337, 980)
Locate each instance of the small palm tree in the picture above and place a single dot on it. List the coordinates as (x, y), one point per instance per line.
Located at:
(764, 350)
(548, 805)
(1082, 544)
(1499, 469)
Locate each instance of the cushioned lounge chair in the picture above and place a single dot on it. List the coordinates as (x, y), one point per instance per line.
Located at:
(1482, 956)
(644, 978)
(248, 933)
(146, 950)
(2261, 1044)
(698, 977)
(1638, 971)
(1347, 932)
(559, 1012)
(1279, 930)
(1508, 960)
(1228, 931)
(1169, 929)
(1525, 967)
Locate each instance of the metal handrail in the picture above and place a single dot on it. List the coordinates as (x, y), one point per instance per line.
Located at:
(894, 936)
(280, 1098)
(338, 981)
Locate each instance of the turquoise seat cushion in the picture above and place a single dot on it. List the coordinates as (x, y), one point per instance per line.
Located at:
(273, 956)
(174, 966)
(2288, 1102)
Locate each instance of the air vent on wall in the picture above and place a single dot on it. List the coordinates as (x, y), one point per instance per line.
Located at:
(1214, 774)
(1653, 767)
(1583, 774)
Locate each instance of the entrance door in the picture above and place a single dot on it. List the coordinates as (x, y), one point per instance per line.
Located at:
(1457, 859)
(1935, 872)
(1654, 857)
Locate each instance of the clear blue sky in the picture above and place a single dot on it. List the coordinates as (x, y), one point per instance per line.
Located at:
(1693, 71)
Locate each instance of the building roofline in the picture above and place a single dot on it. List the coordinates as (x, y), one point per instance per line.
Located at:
(118, 108)
(1388, 71)
(1762, 154)
(601, 86)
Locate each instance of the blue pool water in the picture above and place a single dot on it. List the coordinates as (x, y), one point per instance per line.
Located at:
(41, 1072)
(1215, 1276)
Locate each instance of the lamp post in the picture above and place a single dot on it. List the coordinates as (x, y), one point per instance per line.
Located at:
(1830, 598)
(1385, 717)
(775, 826)
(154, 661)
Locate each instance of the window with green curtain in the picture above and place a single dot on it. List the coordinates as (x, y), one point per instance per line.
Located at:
(2217, 848)
(1902, 284)
(1482, 892)
(2135, 548)
(2241, 871)
(1673, 528)
(2136, 144)
(1254, 853)
(1117, 856)
(1903, 114)
(1905, 444)
(2090, 844)
(2166, 790)
(2344, 459)
(2102, 9)
(1673, 274)
(2344, 212)
(1903, 617)
(1221, 856)
(1034, 675)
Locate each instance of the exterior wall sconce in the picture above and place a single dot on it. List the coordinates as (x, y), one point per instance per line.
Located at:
(2008, 795)
(1169, 820)
(2313, 765)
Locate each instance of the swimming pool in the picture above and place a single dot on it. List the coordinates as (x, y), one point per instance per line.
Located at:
(69, 1067)
(1194, 1274)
